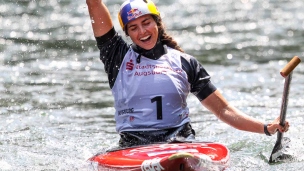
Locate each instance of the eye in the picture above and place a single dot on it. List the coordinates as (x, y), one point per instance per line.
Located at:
(132, 28)
(146, 23)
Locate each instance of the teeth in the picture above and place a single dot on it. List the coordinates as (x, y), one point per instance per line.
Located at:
(145, 38)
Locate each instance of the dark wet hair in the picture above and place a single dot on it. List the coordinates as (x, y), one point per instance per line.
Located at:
(163, 36)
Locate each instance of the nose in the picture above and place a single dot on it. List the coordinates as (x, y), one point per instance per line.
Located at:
(142, 30)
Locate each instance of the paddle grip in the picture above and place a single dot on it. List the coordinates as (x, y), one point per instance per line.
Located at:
(290, 66)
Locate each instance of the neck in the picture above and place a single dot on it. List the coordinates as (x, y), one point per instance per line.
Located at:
(155, 53)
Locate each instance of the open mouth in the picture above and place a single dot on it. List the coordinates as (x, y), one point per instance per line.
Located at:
(146, 38)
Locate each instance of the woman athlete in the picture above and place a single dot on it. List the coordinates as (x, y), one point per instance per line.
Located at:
(151, 79)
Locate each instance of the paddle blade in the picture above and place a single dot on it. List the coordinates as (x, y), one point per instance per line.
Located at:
(280, 150)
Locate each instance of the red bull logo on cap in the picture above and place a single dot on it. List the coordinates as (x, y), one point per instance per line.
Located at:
(132, 9)
(133, 13)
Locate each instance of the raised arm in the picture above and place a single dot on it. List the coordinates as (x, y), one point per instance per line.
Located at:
(100, 17)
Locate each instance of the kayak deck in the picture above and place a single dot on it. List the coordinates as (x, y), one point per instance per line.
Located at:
(165, 157)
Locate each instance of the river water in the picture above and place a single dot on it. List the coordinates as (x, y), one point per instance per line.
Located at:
(56, 108)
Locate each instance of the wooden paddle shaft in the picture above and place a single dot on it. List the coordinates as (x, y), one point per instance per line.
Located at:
(290, 66)
(285, 99)
(286, 72)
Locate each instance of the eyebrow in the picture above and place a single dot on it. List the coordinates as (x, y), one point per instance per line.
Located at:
(144, 20)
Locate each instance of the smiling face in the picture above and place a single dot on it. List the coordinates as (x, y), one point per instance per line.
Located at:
(143, 31)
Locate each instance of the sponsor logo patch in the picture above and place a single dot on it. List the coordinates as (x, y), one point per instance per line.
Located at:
(134, 13)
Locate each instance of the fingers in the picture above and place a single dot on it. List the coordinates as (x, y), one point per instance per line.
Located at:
(275, 126)
(284, 128)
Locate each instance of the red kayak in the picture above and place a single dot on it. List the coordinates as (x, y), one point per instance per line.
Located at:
(165, 157)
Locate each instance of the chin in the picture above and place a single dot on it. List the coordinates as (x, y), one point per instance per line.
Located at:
(148, 47)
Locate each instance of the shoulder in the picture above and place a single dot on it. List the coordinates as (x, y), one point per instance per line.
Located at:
(112, 45)
(189, 63)
(198, 77)
(106, 37)
(188, 59)
(111, 37)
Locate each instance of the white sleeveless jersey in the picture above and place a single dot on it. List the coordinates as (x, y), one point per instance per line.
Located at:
(151, 95)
